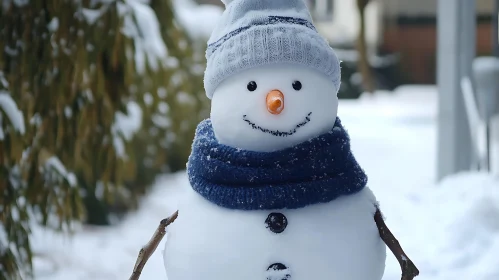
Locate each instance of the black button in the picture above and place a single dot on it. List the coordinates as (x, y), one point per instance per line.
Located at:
(276, 222)
(278, 271)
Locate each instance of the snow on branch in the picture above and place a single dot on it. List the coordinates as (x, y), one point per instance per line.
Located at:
(2, 134)
(53, 163)
(9, 107)
(141, 24)
(125, 126)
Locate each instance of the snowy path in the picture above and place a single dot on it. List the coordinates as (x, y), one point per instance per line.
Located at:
(451, 231)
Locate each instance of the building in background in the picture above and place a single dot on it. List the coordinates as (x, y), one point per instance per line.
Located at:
(338, 21)
(404, 27)
(410, 28)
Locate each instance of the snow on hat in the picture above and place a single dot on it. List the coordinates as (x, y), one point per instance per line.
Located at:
(261, 32)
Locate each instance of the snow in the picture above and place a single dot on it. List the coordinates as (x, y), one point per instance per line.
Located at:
(3, 80)
(53, 163)
(162, 92)
(125, 126)
(68, 112)
(91, 15)
(9, 107)
(148, 99)
(2, 134)
(142, 24)
(485, 63)
(3, 237)
(103, 253)
(249, 237)
(53, 24)
(315, 101)
(163, 107)
(450, 229)
(129, 124)
(198, 20)
(485, 73)
(161, 121)
(18, 3)
(185, 98)
(468, 207)
(21, 3)
(476, 124)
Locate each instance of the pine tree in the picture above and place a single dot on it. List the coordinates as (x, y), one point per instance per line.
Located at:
(96, 98)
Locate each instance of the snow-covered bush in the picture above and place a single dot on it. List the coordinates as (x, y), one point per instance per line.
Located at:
(96, 98)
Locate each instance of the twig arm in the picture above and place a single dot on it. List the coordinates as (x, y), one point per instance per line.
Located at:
(409, 270)
(146, 251)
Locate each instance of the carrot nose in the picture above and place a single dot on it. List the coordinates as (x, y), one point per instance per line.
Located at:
(275, 102)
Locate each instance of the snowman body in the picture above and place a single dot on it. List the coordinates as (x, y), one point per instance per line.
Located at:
(331, 240)
(336, 240)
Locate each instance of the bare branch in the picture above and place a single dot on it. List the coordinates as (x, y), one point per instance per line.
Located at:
(146, 251)
(409, 270)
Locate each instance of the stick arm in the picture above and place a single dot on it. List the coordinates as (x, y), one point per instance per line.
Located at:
(148, 249)
(409, 270)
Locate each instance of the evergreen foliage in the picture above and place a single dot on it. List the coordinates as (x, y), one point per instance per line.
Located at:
(96, 98)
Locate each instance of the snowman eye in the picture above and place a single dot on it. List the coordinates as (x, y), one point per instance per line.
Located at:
(297, 85)
(251, 86)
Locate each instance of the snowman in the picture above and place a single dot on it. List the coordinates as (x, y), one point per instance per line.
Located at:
(275, 191)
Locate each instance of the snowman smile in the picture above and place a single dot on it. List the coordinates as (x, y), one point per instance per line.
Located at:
(277, 132)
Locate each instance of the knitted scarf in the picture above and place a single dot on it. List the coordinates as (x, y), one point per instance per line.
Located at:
(318, 170)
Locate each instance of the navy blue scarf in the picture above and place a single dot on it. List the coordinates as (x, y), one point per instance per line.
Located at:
(315, 171)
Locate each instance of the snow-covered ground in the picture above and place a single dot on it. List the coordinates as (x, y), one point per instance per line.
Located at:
(450, 230)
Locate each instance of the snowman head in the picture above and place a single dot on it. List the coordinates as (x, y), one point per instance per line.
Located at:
(273, 107)
(272, 78)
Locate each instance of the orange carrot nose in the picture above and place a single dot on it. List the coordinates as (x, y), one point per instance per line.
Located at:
(275, 102)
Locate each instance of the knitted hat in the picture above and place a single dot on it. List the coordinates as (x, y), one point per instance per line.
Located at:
(262, 32)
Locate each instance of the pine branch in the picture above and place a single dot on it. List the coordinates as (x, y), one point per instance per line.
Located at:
(146, 251)
(409, 270)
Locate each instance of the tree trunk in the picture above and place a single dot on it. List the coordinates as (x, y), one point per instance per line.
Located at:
(363, 62)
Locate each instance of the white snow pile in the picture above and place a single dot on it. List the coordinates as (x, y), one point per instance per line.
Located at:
(198, 20)
(108, 253)
(9, 109)
(459, 237)
(450, 230)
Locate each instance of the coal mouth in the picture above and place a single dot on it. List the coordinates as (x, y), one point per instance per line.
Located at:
(278, 132)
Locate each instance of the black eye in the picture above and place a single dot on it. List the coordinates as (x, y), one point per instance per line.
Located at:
(252, 86)
(297, 85)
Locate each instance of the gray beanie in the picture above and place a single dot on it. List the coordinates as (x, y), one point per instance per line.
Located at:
(262, 32)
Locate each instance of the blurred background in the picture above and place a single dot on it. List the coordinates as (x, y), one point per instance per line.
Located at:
(99, 100)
